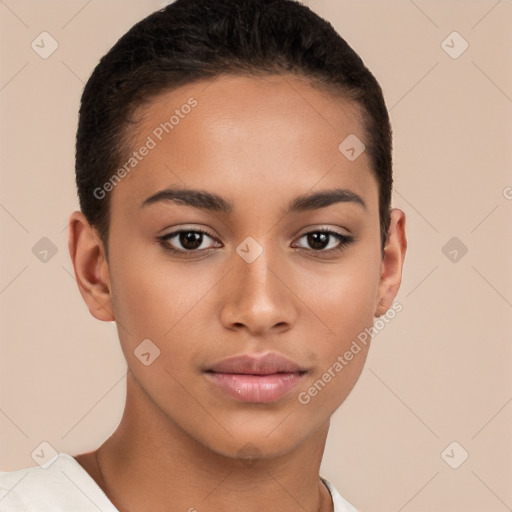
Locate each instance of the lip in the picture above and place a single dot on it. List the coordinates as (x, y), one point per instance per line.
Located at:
(256, 378)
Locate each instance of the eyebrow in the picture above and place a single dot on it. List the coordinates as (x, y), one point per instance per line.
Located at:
(213, 202)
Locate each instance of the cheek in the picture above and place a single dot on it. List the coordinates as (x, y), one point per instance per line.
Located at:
(143, 286)
(345, 301)
(161, 302)
(146, 297)
(346, 308)
(344, 297)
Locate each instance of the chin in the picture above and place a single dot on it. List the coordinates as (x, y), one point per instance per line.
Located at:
(254, 444)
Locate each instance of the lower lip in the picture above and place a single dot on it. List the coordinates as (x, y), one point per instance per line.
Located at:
(255, 388)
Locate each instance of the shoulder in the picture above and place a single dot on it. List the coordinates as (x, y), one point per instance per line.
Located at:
(59, 485)
(340, 503)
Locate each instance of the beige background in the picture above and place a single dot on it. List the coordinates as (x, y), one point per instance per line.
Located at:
(439, 372)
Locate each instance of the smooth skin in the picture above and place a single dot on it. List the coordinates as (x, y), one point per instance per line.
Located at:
(259, 143)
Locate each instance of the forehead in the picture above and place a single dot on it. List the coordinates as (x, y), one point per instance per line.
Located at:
(242, 137)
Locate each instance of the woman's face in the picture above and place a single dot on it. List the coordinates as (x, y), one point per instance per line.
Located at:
(262, 279)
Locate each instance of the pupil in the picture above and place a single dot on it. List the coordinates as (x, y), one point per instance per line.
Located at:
(313, 240)
(190, 239)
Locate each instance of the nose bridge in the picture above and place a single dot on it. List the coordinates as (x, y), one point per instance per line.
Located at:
(257, 298)
(256, 280)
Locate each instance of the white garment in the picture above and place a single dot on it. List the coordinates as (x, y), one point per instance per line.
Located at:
(64, 486)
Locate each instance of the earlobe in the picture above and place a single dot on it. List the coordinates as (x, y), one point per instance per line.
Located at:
(392, 262)
(90, 266)
(380, 309)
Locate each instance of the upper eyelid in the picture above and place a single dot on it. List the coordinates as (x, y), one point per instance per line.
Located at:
(309, 229)
(324, 229)
(205, 232)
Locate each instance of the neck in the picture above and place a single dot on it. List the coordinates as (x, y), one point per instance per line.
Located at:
(149, 463)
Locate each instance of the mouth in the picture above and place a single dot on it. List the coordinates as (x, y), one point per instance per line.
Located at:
(256, 379)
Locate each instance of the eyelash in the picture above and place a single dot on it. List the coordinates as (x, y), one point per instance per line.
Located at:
(344, 241)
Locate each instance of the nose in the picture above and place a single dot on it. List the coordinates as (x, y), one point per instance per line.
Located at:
(258, 297)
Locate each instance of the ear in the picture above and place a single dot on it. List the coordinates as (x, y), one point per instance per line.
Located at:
(392, 262)
(91, 267)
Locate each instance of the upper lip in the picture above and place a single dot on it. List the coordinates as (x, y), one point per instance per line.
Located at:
(265, 364)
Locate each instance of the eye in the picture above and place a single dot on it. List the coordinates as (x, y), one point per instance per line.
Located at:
(327, 240)
(193, 241)
(186, 241)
